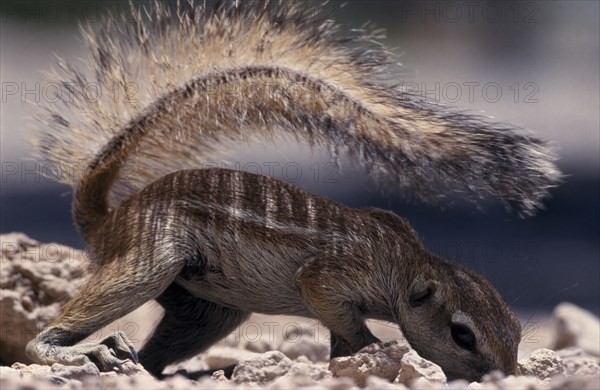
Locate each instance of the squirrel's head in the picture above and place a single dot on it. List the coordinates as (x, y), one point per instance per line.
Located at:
(456, 318)
(448, 313)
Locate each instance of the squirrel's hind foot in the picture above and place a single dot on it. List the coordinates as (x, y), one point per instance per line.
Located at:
(107, 354)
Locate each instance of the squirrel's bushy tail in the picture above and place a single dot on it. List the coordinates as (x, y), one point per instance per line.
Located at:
(163, 87)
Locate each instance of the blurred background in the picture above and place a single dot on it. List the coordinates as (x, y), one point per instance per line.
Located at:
(534, 64)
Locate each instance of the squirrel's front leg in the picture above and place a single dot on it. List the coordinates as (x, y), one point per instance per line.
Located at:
(332, 293)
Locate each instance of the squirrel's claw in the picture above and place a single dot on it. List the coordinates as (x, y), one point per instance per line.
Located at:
(122, 347)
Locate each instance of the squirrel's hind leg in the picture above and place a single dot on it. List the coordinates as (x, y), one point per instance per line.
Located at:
(117, 288)
(189, 326)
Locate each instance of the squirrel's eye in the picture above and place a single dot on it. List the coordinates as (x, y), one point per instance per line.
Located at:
(419, 298)
(463, 337)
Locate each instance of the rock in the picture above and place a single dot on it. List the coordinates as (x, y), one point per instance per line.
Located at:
(223, 356)
(380, 359)
(25, 373)
(260, 346)
(579, 363)
(75, 372)
(303, 376)
(195, 364)
(543, 363)
(219, 376)
(312, 373)
(413, 367)
(572, 352)
(576, 383)
(576, 327)
(493, 376)
(300, 339)
(305, 345)
(457, 384)
(113, 380)
(394, 350)
(263, 368)
(14, 378)
(477, 386)
(378, 383)
(290, 382)
(423, 384)
(302, 360)
(20, 370)
(131, 369)
(34, 376)
(36, 279)
(518, 382)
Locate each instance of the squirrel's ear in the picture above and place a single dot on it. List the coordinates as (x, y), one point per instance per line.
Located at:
(422, 291)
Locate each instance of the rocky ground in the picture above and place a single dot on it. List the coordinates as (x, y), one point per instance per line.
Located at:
(559, 352)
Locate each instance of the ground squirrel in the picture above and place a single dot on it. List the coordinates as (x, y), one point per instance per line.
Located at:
(214, 245)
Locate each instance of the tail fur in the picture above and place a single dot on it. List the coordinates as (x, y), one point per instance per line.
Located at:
(163, 88)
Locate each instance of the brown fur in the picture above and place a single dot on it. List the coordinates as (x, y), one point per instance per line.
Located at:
(214, 245)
